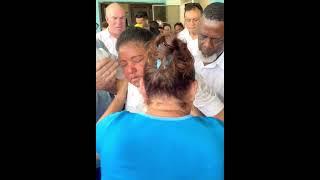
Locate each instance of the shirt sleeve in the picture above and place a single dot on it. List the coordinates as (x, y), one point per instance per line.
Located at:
(181, 36)
(206, 100)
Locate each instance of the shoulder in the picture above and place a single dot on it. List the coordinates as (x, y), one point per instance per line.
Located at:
(105, 122)
(221, 61)
(210, 122)
(102, 34)
(182, 35)
(99, 34)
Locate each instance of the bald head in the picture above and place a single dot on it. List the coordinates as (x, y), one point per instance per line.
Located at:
(115, 17)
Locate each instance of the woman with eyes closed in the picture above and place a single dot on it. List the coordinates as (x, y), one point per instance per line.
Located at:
(165, 141)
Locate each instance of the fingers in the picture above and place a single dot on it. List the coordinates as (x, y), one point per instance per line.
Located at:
(106, 62)
(107, 68)
(110, 82)
(110, 76)
(100, 64)
(106, 71)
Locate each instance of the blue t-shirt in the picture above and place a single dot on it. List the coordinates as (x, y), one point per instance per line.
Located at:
(143, 147)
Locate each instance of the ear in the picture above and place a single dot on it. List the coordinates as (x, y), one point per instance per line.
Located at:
(107, 19)
(193, 90)
(143, 90)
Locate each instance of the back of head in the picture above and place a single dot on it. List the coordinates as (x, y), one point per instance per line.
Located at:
(142, 14)
(169, 70)
(214, 12)
(154, 27)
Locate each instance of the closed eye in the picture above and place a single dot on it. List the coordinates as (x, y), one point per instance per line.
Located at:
(123, 63)
(137, 59)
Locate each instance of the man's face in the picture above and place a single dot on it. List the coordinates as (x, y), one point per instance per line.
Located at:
(140, 21)
(211, 37)
(117, 22)
(132, 57)
(192, 19)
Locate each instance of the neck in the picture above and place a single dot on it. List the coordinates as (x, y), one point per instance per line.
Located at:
(214, 56)
(114, 35)
(167, 107)
(193, 35)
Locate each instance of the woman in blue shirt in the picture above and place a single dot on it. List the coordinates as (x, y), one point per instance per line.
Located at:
(165, 143)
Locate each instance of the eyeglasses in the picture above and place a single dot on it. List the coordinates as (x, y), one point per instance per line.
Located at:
(215, 41)
(194, 20)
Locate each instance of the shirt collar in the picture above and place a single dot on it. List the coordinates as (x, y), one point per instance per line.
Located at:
(219, 62)
(109, 34)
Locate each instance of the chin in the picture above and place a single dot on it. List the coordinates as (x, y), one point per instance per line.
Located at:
(207, 54)
(135, 83)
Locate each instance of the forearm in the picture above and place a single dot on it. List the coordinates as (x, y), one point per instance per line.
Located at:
(220, 115)
(115, 106)
(119, 99)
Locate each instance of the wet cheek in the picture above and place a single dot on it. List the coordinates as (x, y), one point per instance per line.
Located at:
(139, 71)
(207, 44)
(126, 72)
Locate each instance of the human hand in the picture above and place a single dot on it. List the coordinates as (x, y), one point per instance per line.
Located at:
(106, 70)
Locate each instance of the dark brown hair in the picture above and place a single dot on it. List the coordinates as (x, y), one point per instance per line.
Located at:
(169, 70)
(178, 24)
(166, 24)
(193, 6)
(104, 24)
(214, 12)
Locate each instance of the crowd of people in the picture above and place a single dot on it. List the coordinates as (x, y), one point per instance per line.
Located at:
(160, 96)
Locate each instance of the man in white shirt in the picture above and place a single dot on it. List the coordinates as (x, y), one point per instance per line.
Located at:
(189, 35)
(106, 71)
(209, 60)
(115, 17)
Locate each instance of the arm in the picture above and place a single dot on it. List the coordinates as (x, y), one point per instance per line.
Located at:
(220, 115)
(119, 100)
(207, 101)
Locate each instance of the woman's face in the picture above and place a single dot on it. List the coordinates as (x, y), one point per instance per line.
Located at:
(178, 28)
(166, 30)
(132, 57)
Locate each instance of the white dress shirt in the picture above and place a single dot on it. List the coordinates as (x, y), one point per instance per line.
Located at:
(108, 40)
(110, 43)
(191, 43)
(213, 73)
(135, 102)
(205, 99)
